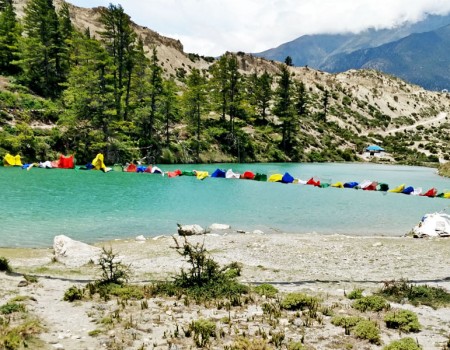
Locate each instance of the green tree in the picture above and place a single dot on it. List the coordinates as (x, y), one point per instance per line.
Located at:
(234, 92)
(89, 99)
(300, 101)
(169, 106)
(288, 61)
(220, 85)
(4, 4)
(195, 100)
(263, 94)
(325, 102)
(283, 108)
(120, 41)
(9, 38)
(42, 47)
(67, 31)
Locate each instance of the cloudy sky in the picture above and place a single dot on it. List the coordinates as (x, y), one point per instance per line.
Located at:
(211, 27)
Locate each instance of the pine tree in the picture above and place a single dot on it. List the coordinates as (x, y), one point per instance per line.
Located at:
(42, 49)
(156, 89)
(234, 92)
(261, 94)
(220, 85)
(120, 40)
(169, 106)
(301, 99)
(4, 4)
(89, 99)
(283, 108)
(195, 103)
(9, 38)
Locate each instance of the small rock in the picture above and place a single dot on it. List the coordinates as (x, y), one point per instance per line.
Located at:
(219, 227)
(22, 284)
(378, 244)
(58, 346)
(140, 238)
(240, 231)
(190, 230)
(159, 237)
(111, 333)
(258, 232)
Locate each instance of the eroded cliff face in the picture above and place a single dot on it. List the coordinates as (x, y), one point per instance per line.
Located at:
(170, 51)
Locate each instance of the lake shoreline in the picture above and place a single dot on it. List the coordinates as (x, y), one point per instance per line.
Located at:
(323, 265)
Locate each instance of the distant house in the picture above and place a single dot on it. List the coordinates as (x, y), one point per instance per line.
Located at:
(375, 151)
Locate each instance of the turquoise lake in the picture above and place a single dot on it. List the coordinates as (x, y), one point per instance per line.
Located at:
(94, 206)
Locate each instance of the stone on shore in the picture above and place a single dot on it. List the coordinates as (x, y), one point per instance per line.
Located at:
(214, 227)
(190, 230)
(74, 253)
(140, 238)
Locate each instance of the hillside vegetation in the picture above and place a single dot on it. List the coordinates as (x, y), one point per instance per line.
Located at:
(83, 81)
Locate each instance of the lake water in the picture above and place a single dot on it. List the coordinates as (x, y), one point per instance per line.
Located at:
(93, 206)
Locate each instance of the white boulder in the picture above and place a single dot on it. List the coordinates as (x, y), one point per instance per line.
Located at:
(74, 253)
(214, 227)
(140, 238)
(190, 230)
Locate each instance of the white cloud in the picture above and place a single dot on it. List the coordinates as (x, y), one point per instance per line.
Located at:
(211, 27)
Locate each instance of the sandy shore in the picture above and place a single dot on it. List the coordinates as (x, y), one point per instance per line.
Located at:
(317, 264)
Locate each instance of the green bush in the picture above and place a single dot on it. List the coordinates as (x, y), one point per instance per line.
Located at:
(398, 291)
(73, 293)
(249, 344)
(403, 344)
(11, 307)
(125, 292)
(404, 320)
(299, 301)
(371, 303)
(4, 265)
(113, 271)
(367, 330)
(295, 345)
(204, 279)
(355, 294)
(346, 321)
(203, 330)
(266, 290)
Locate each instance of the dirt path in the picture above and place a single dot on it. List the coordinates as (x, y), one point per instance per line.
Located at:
(439, 118)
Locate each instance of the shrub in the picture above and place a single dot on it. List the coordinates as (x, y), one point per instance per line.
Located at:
(346, 321)
(404, 320)
(205, 279)
(11, 307)
(295, 345)
(73, 293)
(21, 336)
(249, 344)
(127, 292)
(368, 330)
(4, 265)
(113, 271)
(398, 291)
(299, 301)
(266, 290)
(355, 294)
(203, 330)
(371, 303)
(403, 344)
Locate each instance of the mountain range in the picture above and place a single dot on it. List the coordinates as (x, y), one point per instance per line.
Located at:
(416, 52)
